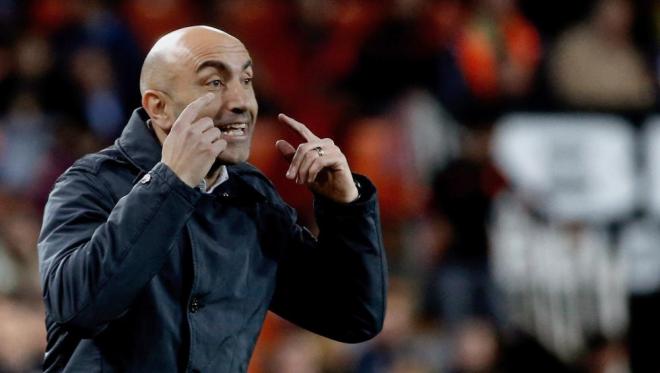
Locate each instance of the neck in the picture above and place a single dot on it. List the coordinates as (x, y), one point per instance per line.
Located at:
(160, 134)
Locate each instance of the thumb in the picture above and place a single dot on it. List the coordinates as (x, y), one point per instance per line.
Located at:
(287, 150)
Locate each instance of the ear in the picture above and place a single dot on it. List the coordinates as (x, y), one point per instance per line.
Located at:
(157, 105)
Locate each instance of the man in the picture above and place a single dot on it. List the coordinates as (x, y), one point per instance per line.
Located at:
(164, 251)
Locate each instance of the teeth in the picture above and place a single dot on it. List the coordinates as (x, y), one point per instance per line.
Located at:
(233, 132)
(234, 129)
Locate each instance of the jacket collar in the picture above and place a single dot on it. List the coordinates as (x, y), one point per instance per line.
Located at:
(139, 143)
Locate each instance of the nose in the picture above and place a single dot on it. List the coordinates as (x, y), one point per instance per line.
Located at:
(236, 97)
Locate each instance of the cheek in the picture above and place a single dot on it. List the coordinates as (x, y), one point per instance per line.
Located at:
(253, 104)
(175, 110)
(211, 109)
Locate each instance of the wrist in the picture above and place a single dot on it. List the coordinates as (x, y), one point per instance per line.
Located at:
(354, 195)
(366, 200)
(186, 179)
(351, 195)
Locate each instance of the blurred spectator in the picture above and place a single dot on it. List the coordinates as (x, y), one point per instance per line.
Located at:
(19, 238)
(461, 286)
(400, 149)
(151, 19)
(596, 65)
(391, 61)
(28, 67)
(334, 32)
(94, 25)
(25, 138)
(444, 20)
(48, 16)
(25, 66)
(21, 317)
(402, 346)
(381, 148)
(34, 60)
(297, 352)
(23, 337)
(92, 71)
(498, 52)
(476, 348)
(35, 71)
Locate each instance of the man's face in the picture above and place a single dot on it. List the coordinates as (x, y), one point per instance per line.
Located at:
(219, 64)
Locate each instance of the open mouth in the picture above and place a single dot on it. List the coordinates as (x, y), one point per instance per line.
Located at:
(234, 129)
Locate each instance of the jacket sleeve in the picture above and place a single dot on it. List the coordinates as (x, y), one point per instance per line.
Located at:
(95, 257)
(336, 285)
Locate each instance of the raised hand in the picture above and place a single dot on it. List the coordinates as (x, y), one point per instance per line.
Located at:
(318, 163)
(193, 143)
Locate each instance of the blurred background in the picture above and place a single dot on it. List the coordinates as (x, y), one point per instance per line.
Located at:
(515, 146)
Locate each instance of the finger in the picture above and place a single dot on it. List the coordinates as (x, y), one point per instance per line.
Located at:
(191, 112)
(219, 146)
(317, 166)
(307, 161)
(216, 148)
(212, 135)
(298, 127)
(330, 159)
(287, 150)
(203, 124)
(298, 157)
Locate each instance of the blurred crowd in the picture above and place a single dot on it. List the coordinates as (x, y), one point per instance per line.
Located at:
(483, 277)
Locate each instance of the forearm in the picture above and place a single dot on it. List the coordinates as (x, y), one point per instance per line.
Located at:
(337, 286)
(92, 270)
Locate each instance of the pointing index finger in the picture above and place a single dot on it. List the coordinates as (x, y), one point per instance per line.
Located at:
(190, 113)
(298, 127)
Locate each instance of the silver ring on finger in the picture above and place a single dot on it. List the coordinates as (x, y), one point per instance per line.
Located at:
(319, 150)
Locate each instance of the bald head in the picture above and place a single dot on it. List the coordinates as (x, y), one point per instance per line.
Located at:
(165, 58)
(192, 62)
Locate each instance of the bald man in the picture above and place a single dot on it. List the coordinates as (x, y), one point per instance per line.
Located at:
(163, 252)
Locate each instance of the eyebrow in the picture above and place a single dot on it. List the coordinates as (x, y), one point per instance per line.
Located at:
(219, 65)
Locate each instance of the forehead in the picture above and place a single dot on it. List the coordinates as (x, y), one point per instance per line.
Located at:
(228, 50)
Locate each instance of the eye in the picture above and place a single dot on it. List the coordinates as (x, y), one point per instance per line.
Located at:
(247, 81)
(215, 83)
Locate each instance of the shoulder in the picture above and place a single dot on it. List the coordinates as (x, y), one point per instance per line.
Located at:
(95, 162)
(106, 171)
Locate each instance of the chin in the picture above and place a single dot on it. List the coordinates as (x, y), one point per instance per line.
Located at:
(232, 158)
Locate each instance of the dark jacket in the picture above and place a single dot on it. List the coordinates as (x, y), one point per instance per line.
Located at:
(142, 273)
